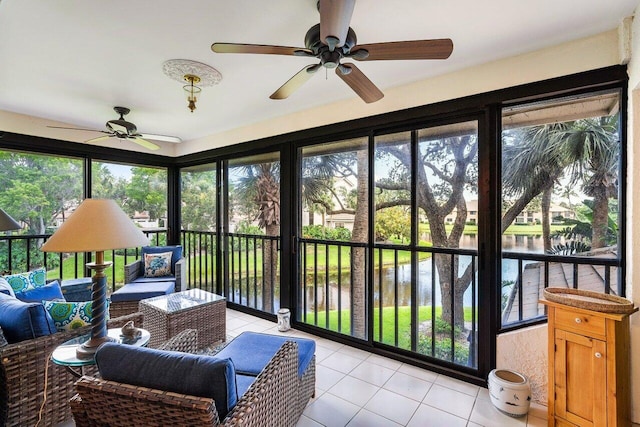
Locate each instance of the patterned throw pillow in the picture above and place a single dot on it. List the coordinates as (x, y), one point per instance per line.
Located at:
(70, 315)
(29, 280)
(157, 265)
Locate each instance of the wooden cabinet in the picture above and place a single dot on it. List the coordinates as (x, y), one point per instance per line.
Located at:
(589, 370)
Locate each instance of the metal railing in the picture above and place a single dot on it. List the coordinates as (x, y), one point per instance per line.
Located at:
(534, 272)
(21, 253)
(327, 271)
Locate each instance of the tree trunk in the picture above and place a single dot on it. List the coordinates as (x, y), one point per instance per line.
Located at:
(358, 261)
(546, 223)
(270, 268)
(600, 218)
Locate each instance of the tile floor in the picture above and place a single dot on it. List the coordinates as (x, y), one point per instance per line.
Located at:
(356, 388)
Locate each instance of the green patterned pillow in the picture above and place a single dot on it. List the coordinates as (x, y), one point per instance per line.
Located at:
(157, 265)
(70, 315)
(24, 281)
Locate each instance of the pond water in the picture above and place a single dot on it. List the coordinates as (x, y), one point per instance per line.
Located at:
(511, 243)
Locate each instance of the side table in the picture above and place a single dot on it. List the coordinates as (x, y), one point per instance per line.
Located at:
(65, 353)
(167, 315)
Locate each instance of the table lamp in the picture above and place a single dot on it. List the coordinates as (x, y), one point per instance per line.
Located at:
(96, 225)
(7, 223)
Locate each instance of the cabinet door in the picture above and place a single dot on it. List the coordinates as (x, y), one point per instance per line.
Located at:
(580, 379)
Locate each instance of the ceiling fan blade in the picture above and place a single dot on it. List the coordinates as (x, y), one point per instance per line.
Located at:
(335, 16)
(295, 82)
(90, 130)
(144, 143)
(258, 48)
(413, 49)
(359, 83)
(100, 138)
(164, 138)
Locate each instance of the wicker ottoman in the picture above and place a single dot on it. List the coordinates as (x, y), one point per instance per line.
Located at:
(167, 315)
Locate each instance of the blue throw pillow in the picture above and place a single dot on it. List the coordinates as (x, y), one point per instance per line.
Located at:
(24, 320)
(49, 292)
(196, 375)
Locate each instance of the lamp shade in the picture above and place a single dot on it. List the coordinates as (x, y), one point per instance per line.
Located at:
(7, 223)
(96, 225)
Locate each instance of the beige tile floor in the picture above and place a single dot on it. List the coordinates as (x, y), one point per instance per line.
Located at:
(356, 388)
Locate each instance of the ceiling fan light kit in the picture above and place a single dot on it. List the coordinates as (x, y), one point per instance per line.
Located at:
(332, 40)
(195, 74)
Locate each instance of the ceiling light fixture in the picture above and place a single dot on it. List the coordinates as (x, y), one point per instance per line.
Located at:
(196, 75)
(192, 90)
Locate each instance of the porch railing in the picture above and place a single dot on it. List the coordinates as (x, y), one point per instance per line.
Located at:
(22, 253)
(321, 290)
(534, 272)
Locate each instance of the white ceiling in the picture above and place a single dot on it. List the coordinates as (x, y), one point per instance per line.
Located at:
(72, 61)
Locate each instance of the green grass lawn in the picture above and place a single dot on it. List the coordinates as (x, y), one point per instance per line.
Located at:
(68, 265)
(388, 322)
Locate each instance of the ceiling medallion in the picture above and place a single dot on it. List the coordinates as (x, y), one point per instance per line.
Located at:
(195, 74)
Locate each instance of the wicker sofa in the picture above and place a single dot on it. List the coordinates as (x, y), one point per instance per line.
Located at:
(26, 370)
(276, 397)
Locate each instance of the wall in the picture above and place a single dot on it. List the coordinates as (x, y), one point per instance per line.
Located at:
(573, 57)
(633, 211)
(526, 351)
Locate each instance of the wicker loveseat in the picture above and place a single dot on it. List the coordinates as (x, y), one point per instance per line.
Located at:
(276, 397)
(25, 371)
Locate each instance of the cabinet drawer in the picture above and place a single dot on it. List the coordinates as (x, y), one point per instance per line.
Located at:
(585, 324)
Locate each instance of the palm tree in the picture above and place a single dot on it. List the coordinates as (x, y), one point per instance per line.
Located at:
(531, 165)
(262, 184)
(586, 149)
(592, 148)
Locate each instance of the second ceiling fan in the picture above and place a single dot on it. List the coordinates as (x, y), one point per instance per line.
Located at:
(333, 40)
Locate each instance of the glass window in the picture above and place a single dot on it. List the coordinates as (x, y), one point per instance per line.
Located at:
(39, 192)
(560, 199)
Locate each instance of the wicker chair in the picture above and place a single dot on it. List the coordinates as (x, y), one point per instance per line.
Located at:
(26, 370)
(272, 400)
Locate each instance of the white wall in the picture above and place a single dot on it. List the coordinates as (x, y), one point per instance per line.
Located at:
(633, 211)
(526, 351)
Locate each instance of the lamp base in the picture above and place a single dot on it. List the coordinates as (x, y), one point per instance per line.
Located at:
(87, 350)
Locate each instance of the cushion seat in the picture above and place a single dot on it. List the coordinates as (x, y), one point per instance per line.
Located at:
(142, 290)
(251, 351)
(143, 279)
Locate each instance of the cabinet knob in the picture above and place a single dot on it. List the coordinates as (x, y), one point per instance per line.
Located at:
(598, 354)
(578, 320)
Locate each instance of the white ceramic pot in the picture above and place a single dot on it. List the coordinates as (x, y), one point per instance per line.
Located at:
(284, 319)
(510, 392)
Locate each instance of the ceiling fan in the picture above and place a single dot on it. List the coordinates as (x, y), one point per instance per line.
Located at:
(333, 40)
(122, 129)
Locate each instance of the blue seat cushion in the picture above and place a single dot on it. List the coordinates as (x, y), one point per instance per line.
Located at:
(251, 351)
(139, 291)
(48, 292)
(143, 279)
(244, 382)
(176, 255)
(22, 321)
(196, 375)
